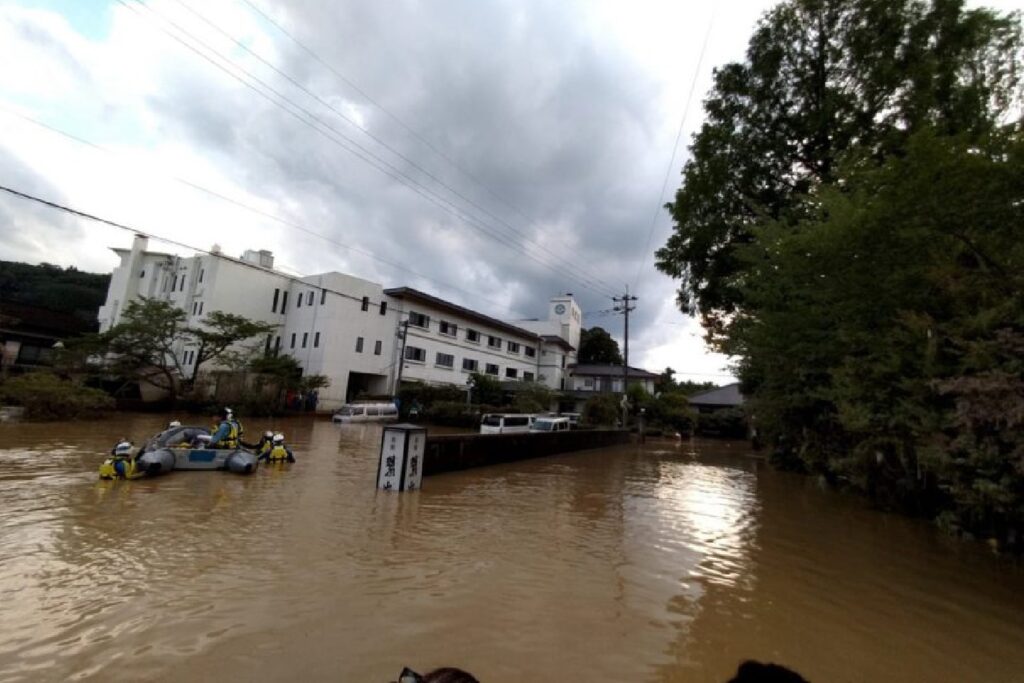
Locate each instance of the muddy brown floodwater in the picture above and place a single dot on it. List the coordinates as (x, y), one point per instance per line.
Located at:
(667, 563)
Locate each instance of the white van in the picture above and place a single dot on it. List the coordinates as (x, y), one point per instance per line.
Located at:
(496, 423)
(551, 424)
(366, 412)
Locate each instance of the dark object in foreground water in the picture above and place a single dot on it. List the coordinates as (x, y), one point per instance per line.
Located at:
(443, 675)
(756, 672)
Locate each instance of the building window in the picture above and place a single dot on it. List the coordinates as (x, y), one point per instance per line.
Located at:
(305, 338)
(298, 301)
(284, 301)
(359, 344)
(530, 351)
(142, 274)
(513, 347)
(174, 283)
(266, 349)
(195, 307)
(323, 296)
(473, 336)
(200, 308)
(491, 369)
(366, 303)
(309, 299)
(383, 307)
(181, 287)
(316, 340)
(588, 383)
(273, 306)
(448, 329)
(470, 365)
(202, 272)
(376, 347)
(494, 342)
(419, 320)
(511, 373)
(414, 353)
(293, 340)
(444, 360)
(527, 376)
(277, 344)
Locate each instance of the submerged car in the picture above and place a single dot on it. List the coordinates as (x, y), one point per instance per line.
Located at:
(181, 448)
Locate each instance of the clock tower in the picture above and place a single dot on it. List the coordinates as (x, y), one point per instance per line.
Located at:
(567, 317)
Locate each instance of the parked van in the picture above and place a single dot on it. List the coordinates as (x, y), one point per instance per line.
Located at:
(495, 423)
(366, 412)
(551, 424)
(574, 419)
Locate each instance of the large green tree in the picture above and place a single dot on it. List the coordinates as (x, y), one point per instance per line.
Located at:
(144, 344)
(821, 78)
(597, 346)
(849, 227)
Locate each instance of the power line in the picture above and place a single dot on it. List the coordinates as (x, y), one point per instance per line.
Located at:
(341, 139)
(386, 111)
(574, 268)
(675, 148)
(260, 212)
(121, 226)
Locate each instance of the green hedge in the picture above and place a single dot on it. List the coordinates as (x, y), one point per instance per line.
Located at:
(48, 397)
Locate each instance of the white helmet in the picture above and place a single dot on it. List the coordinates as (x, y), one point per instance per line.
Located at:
(172, 424)
(278, 438)
(268, 434)
(123, 448)
(229, 411)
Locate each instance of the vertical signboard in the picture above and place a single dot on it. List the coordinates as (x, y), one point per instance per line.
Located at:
(401, 458)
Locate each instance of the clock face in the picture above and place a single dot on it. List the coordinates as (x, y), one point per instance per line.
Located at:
(559, 309)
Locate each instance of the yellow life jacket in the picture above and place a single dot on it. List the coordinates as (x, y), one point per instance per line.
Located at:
(231, 440)
(118, 468)
(265, 448)
(278, 453)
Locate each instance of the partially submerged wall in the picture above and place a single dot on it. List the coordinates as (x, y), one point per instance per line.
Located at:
(451, 452)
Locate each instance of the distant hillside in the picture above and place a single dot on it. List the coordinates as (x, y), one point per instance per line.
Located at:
(49, 287)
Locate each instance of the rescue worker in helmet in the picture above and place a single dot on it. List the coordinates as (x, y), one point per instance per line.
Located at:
(263, 445)
(238, 425)
(121, 464)
(226, 434)
(278, 452)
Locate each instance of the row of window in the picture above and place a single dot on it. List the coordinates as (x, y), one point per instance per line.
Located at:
(309, 297)
(447, 360)
(377, 345)
(197, 308)
(178, 284)
(450, 329)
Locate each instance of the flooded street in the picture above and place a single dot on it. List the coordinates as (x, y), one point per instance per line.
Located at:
(670, 563)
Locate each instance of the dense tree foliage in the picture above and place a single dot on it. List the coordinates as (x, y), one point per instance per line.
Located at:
(54, 288)
(850, 226)
(597, 346)
(821, 78)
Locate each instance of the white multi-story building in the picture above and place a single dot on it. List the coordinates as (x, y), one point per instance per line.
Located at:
(347, 328)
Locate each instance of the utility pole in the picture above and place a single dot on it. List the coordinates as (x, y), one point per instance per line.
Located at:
(623, 304)
(402, 332)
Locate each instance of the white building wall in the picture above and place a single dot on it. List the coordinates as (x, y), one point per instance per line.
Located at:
(323, 331)
(432, 341)
(331, 324)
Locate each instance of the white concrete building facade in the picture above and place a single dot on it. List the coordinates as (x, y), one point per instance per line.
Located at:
(347, 328)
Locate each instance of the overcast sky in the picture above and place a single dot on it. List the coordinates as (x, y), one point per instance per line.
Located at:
(492, 153)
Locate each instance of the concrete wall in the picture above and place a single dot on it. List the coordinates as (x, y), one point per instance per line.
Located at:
(452, 452)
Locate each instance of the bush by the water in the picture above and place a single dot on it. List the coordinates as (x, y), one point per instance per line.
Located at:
(601, 411)
(48, 397)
